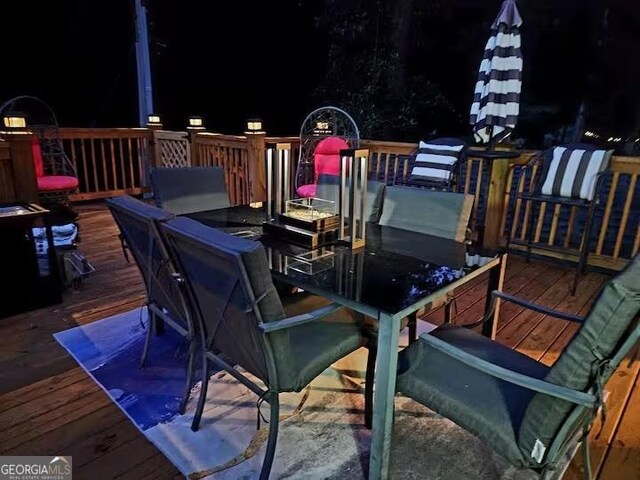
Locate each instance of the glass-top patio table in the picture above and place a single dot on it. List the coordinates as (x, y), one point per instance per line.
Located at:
(396, 274)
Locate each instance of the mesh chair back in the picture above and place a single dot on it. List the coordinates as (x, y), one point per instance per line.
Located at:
(138, 223)
(442, 214)
(588, 360)
(230, 285)
(328, 188)
(189, 189)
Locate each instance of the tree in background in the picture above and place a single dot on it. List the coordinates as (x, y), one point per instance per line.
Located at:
(368, 72)
(406, 69)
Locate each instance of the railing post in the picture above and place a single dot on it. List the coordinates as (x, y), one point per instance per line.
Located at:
(495, 203)
(152, 128)
(195, 126)
(193, 159)
(256, 161)
(25, 184)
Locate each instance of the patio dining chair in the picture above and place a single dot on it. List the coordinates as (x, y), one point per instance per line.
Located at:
(572, 176)
(436, 164)
(530, 414)
(441, 214)
(138, 224)
(186, 190)
(431, 212)
(244, 328)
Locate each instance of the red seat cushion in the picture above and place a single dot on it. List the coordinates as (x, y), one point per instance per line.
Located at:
(326, 156)
(37, 157)
(306, 191)
(52, 183)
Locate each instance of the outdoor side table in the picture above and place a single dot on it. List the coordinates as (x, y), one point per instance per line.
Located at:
(499, 160)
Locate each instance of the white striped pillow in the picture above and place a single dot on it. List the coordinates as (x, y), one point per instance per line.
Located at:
(434, 163)
(572, 172)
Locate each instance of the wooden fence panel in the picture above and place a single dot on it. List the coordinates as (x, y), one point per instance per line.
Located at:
(172, 148)
(231, 154)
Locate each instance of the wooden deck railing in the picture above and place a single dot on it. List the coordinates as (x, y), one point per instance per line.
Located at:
(7, 184)
(232, 154)
(615, 235)
(115, 161)
(108, 161)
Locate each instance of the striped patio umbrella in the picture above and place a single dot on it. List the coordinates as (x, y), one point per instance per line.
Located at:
(496, 100)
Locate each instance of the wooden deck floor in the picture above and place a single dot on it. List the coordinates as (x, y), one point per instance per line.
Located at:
(48, 405)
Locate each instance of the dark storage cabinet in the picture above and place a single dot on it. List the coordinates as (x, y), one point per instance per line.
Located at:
(25, 282)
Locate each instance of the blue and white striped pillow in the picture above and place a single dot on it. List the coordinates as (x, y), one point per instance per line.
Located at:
(435, 163)
(572, 172)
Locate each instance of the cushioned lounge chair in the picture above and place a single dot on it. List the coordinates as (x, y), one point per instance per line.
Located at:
(529, 413)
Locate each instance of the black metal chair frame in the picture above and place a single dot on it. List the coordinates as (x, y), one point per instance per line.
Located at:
(158, 315)
(536, 197)
(271, 393)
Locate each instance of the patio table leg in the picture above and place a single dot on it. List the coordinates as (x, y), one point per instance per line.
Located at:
(496, 282)
(388, 334)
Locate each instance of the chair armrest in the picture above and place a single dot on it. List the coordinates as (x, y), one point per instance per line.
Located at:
(536, 307)
(497, 294)
(289, 322)
(574, 396)
(533, 183)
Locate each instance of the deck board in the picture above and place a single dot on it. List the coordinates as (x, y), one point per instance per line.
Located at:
(48, 405)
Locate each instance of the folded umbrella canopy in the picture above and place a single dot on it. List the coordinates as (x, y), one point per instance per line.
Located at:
(496, 100)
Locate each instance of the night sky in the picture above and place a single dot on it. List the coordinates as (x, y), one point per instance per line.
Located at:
(223, 60)
(229, 61)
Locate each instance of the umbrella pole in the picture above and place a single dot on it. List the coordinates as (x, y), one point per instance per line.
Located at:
(491, 144)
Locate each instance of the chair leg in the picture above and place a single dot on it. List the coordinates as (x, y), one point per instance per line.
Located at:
(368, 385)
(584, 247)
(447, 311)
(274, 421)
(529, 232)
(190, 371)
(147, 337)
(413, 327)
(586, 457)
(195, 425)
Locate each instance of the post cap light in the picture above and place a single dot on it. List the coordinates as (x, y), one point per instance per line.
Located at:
(196, 123)
(254, 126)
(14, 123)
(154, 120)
